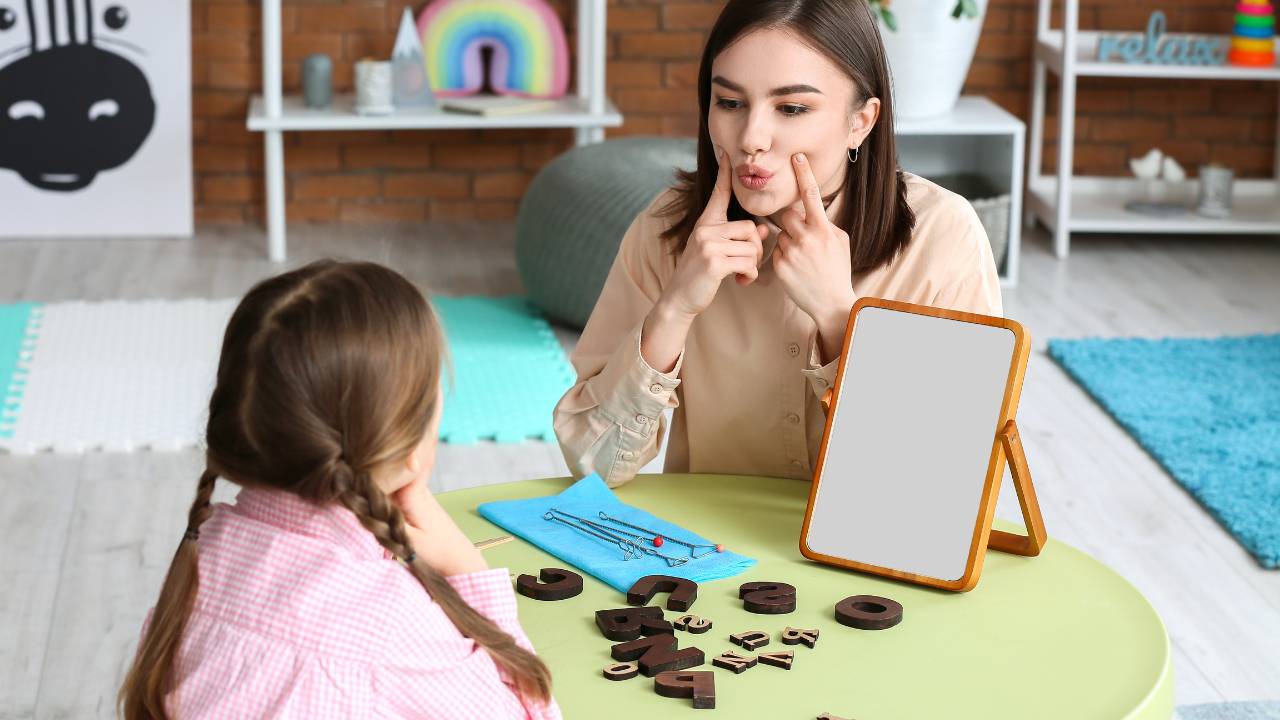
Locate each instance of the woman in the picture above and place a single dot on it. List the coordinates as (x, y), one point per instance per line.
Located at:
(797, 194)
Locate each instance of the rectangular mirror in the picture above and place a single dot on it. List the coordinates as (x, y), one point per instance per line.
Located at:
(912, 456)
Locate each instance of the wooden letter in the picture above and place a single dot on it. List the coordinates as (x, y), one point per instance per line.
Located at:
(768, 598)
(657, 653)
(868, 612)
(557, 584)
(683, 592)
(692, 623)
(796, 636)
(621, 671)
(780, 659)
(730, 660)
(655, 626)
(625, 623)
(750, 639)
(1106, 47)
(699, 685)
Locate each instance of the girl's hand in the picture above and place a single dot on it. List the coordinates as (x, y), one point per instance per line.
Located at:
(715, 249)
(813, 264)
(436, 538)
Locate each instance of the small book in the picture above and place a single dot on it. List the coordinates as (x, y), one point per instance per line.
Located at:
(495, 104)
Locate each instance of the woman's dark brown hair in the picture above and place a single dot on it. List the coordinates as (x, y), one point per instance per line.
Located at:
(327, 373)
(874, 211)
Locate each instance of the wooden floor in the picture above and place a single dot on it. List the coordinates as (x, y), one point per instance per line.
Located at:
(85, 540)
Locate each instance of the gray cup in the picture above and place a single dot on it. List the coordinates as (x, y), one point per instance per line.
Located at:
(317, 80)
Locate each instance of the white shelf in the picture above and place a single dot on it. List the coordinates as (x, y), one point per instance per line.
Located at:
(973, 115)
(1067, 204)
(587, 111)
(1097, 205)
(1049, 52)
(571, 111)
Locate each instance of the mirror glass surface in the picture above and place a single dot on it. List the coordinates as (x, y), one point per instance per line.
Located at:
(910, 442)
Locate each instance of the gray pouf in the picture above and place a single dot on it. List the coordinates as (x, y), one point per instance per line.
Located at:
(576, 210)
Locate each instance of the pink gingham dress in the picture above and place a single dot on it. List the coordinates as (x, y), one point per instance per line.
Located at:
(302, 614)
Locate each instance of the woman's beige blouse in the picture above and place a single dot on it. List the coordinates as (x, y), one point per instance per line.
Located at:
(746, 388)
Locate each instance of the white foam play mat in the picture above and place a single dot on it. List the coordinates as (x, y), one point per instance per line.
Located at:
(129, 375)
(113, 376)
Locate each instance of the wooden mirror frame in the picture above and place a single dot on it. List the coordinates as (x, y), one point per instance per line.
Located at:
(1005, 444)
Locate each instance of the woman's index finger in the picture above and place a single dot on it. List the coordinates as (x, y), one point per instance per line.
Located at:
(718, 206)
(809, 192)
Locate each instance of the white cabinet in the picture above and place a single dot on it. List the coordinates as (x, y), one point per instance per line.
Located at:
(979, 137)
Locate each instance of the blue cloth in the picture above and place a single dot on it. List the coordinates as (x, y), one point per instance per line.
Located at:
(1208, 410)
(604, 560)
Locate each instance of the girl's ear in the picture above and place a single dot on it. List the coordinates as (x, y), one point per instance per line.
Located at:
(863, 121)
(424, 454)
(413, 463)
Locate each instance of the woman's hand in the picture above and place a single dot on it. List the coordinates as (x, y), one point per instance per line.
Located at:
(715, 249)
(436, 538)
(813, 264)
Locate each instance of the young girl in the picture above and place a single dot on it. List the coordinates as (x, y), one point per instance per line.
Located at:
(335, 586)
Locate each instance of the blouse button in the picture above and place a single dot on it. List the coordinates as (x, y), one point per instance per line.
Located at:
(793, 418)
(641, 419)
(793, 349)
(627, 455)
(655, 388)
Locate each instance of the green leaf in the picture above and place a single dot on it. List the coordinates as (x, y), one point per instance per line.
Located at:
(890, 21)
(965, 8)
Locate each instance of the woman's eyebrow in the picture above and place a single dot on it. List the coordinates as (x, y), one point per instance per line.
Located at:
(784, 90)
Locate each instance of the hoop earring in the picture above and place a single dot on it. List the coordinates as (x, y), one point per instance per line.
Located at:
(854, 157)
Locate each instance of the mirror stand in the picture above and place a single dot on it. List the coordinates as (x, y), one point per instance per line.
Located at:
(1031, 543)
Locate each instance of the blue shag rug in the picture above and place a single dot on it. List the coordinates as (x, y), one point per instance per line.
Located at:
(1208, 410)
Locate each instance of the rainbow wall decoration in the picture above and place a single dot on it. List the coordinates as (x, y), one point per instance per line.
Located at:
(530, 55)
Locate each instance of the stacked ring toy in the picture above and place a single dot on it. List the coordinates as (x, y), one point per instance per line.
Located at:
(1253, 41)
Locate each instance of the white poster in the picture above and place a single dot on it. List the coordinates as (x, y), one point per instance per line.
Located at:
(95, 118)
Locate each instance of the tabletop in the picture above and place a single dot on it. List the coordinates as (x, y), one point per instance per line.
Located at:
(1055, 636)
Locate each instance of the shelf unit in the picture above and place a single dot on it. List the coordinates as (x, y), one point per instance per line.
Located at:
(1067, 204)
(587, 111)
(976, 136)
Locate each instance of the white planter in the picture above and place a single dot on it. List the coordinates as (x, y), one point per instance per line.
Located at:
(929, 55)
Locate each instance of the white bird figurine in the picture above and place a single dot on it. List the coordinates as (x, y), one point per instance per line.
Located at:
(1147, 167)
(1171, 171)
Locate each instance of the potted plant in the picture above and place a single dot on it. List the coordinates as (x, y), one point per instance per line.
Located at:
(929, 51)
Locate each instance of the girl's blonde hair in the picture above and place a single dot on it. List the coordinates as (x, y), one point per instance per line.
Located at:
(327, 373)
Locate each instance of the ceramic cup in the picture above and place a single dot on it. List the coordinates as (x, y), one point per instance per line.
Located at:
(373, 87)
(1214, 199)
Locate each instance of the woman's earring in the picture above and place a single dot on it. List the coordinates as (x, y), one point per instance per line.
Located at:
(853, 154)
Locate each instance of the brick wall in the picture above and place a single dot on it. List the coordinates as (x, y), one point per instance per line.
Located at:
(653, 54)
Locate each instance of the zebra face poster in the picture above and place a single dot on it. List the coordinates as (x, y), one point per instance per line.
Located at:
(95, 118)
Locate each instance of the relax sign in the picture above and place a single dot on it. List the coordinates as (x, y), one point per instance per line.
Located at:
(1156, 49)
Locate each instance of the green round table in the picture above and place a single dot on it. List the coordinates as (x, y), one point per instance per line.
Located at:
(1055, 636)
